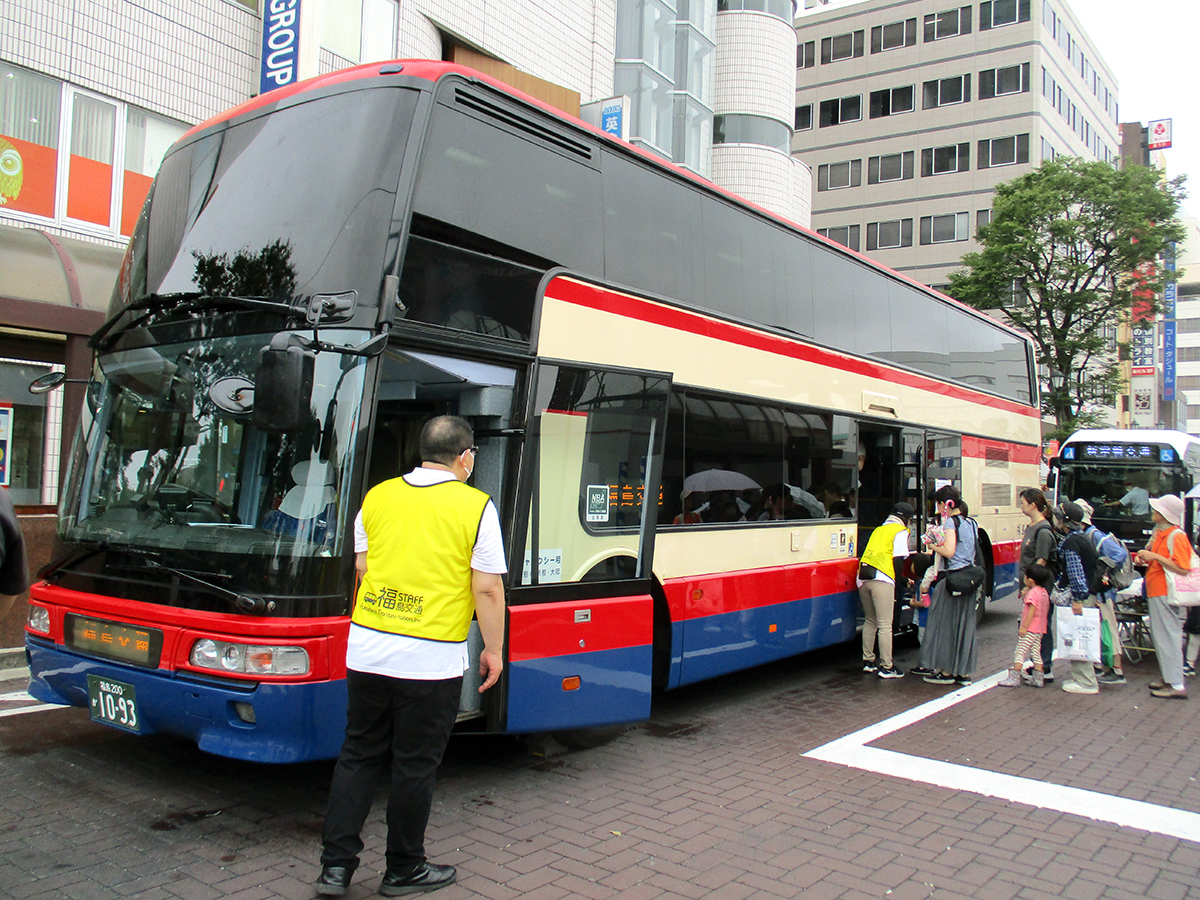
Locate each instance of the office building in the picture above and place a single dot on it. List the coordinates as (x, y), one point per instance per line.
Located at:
(909, 113)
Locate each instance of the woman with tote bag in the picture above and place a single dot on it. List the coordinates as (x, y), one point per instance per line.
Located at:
(1169, 550)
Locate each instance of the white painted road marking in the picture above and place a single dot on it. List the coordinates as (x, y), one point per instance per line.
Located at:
(852, 751)
(23, 696)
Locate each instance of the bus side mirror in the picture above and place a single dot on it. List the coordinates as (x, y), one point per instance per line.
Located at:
(1052, 473)
(283, 387)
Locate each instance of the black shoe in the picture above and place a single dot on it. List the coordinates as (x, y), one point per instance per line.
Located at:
(333, 881)
(890, 672)
(920, 671)
(427, 877)
(870, 666)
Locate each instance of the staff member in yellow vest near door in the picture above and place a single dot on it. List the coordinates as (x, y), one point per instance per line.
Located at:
(878, 570)
(430, 554)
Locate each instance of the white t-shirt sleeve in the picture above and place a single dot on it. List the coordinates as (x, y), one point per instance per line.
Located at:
(900, 544)
(488, 555)
(360, 534)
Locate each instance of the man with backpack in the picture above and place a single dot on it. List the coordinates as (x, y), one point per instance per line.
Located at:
(1081, 563)
(1114, 572)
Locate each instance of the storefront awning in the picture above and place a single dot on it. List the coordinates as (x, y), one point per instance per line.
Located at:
(54, 284)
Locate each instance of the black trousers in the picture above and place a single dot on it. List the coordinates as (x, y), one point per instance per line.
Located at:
(408, 722)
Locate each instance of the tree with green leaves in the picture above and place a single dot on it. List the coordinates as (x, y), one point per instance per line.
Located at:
(1060, 256)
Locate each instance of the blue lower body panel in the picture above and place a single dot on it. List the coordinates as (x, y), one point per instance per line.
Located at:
(728, 642)
(614, 686)
(293, 722)
(1004, 581)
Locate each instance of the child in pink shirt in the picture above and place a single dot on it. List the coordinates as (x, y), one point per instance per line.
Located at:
(1033, 625)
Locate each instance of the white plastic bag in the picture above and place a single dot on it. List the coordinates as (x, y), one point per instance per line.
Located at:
(1077, 637)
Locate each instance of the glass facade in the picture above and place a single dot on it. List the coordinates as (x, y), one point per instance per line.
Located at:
(664, 64)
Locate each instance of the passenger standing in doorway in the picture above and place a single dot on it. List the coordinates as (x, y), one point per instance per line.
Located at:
(430, 554)
(1038, 545)
(949, 648)
(879, 574)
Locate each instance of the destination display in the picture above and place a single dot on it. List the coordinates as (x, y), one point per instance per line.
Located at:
(127, 643)
(1147, 453)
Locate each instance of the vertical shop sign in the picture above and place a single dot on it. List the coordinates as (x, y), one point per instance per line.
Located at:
(280, 44)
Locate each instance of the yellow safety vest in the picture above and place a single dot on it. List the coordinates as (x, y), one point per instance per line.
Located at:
(878, 552)
(419, 545)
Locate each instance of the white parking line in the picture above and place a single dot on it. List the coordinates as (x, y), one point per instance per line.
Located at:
(852, 751)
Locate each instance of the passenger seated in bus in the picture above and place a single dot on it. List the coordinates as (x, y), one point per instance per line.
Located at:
(723, 508)
(689, 516)
(801, 504)
(840, 509)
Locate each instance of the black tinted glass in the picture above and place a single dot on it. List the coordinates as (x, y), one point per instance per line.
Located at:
(296, 202)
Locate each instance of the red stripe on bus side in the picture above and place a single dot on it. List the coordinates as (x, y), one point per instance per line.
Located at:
(542, 630)
(594, 297)
(1006, 552)
(976, 448)
(728, 592)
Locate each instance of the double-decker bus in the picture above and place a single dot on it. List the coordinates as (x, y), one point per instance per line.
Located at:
(1118, 470)
(690, 414)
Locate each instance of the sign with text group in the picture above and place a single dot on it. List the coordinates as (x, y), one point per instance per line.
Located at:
(280, 44)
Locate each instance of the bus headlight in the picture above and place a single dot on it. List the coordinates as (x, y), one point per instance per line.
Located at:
(39, 619)
(248, 659)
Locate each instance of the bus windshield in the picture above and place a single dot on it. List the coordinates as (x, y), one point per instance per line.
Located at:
(171, 458)
(292, 203)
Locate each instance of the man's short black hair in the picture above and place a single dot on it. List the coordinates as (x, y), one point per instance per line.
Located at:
(444, 438)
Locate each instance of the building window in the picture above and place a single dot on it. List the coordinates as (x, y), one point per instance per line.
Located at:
(946, 91)
(995, 13)
(1187, 326)
(1008, 80)
(894, 35)
(1187, 354)
(945, 229)
(846, 235)
(892, 101)
(1003, 151)
(1188, 382)
(887, 235)
(748, 129)
(834, 176)
(982, 218)
(1048, 152)
(892, 167)
(842, 46)
(360, 30)
(804, 117)
(79, 184)
(840, 111)
(806, 55)
(781, 9)
(944, 160)
(1193, 409)
(948, 23)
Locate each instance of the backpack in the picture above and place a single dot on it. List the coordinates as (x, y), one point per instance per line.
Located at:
(1115, 567)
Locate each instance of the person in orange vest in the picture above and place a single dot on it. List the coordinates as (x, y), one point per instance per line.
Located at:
(431, 556)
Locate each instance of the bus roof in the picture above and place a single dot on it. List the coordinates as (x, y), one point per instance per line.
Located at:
(434, 70)
(1177, 439)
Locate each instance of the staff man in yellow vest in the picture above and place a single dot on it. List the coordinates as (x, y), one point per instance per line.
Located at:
(430, 554)
(882, 560)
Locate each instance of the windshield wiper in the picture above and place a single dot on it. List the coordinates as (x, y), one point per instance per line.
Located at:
(182, 301)
(251, 604)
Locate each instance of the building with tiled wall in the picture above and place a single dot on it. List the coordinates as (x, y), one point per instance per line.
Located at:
(910, 113)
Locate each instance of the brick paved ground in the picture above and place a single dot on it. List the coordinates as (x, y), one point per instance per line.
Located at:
(712, 798)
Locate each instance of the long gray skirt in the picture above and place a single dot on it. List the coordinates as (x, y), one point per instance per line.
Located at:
(949, 644)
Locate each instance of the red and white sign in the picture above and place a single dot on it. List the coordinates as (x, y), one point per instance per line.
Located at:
(1159, 132)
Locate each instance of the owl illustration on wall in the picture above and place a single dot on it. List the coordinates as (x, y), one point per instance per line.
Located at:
(11, 172)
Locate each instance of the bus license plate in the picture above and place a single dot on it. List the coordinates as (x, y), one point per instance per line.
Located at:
(113, 703)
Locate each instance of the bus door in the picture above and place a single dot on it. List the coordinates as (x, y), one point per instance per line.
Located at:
(414, 387)
(580, 611)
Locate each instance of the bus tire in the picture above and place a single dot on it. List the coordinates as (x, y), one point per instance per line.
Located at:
(588, 738)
